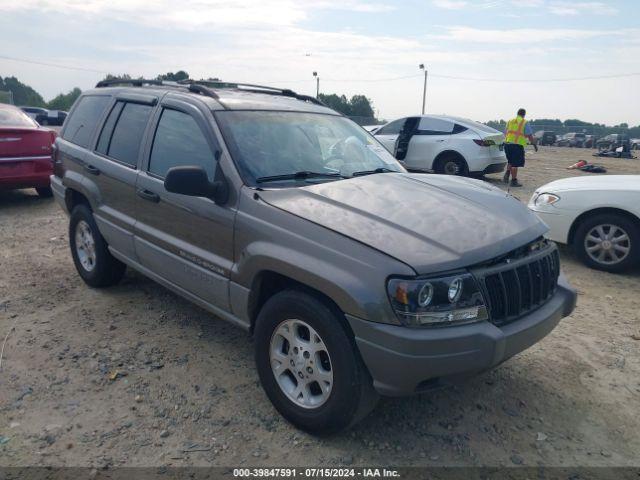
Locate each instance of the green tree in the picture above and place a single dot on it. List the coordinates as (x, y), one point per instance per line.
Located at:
(361, 106)
(174, 77)
(64, 100)
(22, 94)
(124, 76)
(337, 103)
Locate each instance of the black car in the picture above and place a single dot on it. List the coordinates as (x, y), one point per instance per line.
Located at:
(44, 116)
(545, 137)
(611, 142)
(571, 139)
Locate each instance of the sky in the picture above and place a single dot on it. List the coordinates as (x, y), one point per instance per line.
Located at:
(484, 59)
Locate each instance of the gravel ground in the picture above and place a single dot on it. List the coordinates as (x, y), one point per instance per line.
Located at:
(134, 375)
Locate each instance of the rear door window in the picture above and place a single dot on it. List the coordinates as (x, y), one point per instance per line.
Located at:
(178, 142)
(435, 126)
(82, 122)
(123, 130)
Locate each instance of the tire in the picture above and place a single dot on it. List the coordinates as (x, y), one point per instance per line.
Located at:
(451, 164)
(600, 226)
(93, 261)
(44, 192)
(348, 396)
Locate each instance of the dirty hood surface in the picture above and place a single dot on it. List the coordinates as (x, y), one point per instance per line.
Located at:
(430, 222)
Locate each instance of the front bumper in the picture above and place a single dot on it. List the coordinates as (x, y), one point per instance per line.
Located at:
(558, 221)
(404, 360)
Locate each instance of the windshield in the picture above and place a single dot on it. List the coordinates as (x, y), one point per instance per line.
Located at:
(10, 117)
(267, 144)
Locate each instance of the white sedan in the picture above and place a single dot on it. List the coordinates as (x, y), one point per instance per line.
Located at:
(598, 216)
(444, 144)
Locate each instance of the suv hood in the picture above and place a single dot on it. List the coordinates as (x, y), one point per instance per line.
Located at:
(432, 223)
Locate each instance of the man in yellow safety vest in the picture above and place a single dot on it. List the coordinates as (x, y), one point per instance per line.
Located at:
(516, 136)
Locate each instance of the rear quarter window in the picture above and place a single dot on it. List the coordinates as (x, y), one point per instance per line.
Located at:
(82, 122)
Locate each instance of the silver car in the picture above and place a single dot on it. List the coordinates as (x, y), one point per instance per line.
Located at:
(268, 209)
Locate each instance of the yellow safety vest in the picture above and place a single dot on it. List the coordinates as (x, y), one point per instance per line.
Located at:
(515, 131)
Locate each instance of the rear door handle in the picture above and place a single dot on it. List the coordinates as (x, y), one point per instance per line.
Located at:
(149, 195)
(91, 169)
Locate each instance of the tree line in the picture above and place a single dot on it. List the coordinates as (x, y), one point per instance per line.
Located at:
(358, 107)
(560, 127)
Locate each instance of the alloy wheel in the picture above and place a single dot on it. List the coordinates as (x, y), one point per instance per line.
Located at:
(452, 168)
(607, 244)
(301, 364)
(85, 246)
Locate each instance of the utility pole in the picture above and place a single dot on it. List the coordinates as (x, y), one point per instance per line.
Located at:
(424, 91)
(315, 74)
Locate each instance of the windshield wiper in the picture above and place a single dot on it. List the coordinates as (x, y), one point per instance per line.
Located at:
(299, 176)
(377, 170)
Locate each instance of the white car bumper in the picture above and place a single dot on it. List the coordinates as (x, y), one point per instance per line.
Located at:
(558, 221)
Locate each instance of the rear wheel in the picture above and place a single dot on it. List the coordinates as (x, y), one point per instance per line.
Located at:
(44, 192)
(451, 164)
(93, 261)
(609, 242)
(308, 364)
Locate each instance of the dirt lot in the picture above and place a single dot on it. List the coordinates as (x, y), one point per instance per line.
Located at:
(134, 375)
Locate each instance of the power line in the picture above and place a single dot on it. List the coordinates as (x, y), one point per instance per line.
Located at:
(56, 65)
(376, 80)
(540, 80)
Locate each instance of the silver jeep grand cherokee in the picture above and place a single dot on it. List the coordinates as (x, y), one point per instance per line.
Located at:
(277, 214)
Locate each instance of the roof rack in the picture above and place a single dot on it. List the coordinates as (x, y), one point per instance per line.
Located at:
(208, 87)
(250, 87)
(136, 82)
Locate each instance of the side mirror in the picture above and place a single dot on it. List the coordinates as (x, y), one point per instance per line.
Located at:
(193, 181)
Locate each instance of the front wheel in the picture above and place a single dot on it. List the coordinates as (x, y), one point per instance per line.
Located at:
(609, 242)
(91, 256)
(308, 364)
(451, 165)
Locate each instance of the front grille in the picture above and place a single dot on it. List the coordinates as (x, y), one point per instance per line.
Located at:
(515, 288)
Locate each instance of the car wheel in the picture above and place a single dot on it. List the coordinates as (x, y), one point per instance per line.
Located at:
(44, 192)
(44, 122)
(608, 242)
(308, 364)
(451, 165)
(94, 262)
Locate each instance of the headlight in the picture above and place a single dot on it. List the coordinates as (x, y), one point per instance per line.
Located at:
(447, 300)
(546, 199)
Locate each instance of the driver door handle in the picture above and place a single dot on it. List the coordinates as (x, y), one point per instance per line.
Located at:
(148, 195)
(91, 169)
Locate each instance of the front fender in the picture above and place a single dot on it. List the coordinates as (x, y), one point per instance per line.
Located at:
(348, 272)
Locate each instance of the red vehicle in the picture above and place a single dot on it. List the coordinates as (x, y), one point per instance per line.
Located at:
(25, 152)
